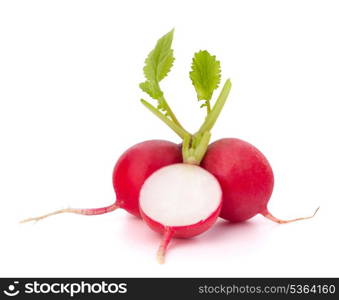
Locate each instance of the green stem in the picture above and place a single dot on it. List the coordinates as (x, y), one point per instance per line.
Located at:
(170, 112)
(195, 147)
(194, 154)
(215, 112)
(180, 131)
(168, 109)
(201, 149)
(186, 150)
(208, 106)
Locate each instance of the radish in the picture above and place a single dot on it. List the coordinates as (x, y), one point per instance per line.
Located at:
(246, 179)
(244, 173)
(130, 172)
(180, 190)
(180, 200)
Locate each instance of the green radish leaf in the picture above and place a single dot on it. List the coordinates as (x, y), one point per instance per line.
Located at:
(157, 65)
(152, 89)
(160, 60)
(205, 75)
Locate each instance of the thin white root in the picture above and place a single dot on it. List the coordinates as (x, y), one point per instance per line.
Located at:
(269, 216)
(161, 256)
(60, 211)
(87, 212)
(167, 236)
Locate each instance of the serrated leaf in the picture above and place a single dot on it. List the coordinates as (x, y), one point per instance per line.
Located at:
(160, 60)
(162, 107)
(205, 74)
(151, 88)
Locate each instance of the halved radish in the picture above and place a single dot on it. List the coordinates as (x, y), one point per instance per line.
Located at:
(180, 200)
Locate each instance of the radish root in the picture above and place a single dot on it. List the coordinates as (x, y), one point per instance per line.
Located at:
(168, 233)
(79, 211)
(269, 216)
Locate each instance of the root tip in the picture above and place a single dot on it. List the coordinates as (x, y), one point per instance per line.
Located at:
(28, 220)
(269, 216)
(161, 257)
(316, 211)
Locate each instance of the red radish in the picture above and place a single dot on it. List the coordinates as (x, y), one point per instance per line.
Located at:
(130, 172)
(163, 183)
(246, 179)
(180, 200)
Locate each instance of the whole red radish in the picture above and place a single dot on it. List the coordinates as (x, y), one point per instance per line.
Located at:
(246, 179)
(180, 200)
(130, 172)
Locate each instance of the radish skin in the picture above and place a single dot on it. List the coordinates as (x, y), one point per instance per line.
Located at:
(179, 232)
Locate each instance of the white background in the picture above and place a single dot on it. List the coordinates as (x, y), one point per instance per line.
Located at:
(69, 106)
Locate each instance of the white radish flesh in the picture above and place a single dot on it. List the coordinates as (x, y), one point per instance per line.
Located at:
(180, 200)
